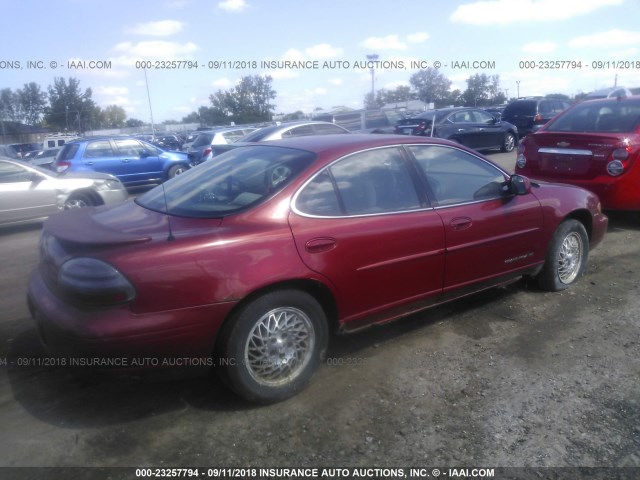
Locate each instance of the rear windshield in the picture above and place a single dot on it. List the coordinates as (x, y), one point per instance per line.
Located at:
(68, 152)
(527, 107)
(231, 182)
(203, 139)
(260, 134)
(609, 117)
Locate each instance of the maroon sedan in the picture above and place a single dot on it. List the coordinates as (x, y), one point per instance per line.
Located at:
(594, 145)
(247, 262)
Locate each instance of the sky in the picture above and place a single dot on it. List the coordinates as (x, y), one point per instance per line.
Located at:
(536, 47)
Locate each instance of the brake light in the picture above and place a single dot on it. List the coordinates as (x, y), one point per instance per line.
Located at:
(521, 159)
(62, 166)
(206, 152)
(537, 118)
(618, 163)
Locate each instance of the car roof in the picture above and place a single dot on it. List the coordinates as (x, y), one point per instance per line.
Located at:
(340, 144)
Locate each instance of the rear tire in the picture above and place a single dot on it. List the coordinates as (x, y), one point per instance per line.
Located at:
(567, 257)
(269, 349)
(176, 170)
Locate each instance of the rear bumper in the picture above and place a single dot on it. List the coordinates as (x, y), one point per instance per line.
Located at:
(95, 337)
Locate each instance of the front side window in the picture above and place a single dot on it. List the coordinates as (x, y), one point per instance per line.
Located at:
(456, 177)
(370, 182)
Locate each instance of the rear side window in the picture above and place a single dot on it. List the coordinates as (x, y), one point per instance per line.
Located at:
(371, 182)
(98, 149)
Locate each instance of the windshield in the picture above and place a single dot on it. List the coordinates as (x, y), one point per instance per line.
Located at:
(603, 117)
(260, 134)
(229, 183)
(203, 139)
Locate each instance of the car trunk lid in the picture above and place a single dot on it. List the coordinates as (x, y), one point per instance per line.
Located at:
(572, 155)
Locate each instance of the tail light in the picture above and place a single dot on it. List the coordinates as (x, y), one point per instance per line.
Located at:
(618, 162)
(206, 152)
(93, 282)
(537, 118)
(62, 166)
(521, 159)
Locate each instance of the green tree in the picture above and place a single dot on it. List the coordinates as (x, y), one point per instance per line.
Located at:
(10, 107)
(69, 108)
(430, 86)
(113, 116)
(483, 90)
(33, 102)
(133, 122)
(249, 101)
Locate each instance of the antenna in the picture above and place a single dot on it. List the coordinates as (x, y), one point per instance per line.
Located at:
(170, 238)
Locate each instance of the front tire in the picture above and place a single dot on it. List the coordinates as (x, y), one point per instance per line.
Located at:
(567, 257)
(269, 349)
(78, 200)
(509, 142)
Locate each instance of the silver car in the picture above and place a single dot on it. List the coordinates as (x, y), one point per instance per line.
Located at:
(28, 192)
(293, 129)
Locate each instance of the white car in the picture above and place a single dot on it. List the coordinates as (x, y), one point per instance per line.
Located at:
(29, 193)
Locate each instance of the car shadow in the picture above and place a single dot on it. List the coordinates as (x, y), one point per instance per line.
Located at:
(83, 397)
(623, 220)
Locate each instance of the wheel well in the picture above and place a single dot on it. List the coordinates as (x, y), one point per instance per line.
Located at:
(584, 217)
(312, 287)
(93, 196)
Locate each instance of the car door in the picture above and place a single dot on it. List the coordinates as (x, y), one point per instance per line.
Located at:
(24, 194)
(489, 232)
(140, 161)
(99, 156)
(460, 127)
(489, 131)
(363, 225)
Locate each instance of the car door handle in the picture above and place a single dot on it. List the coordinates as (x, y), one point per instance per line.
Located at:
(462, 129)
(321, 244)
(461, 223)
(88, 163)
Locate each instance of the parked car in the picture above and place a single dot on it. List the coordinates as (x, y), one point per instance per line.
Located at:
(9, 152)
(248, 261)
(612, 92)
(529, 114)
(133, 161)
(364, 121)
(200, 150)
(471, 127)
(168, 142)
(45, 158)
(595, 145)
(495, 111)
(28, 192)
(293, 129)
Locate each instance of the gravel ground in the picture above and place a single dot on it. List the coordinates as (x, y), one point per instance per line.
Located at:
(510, 377)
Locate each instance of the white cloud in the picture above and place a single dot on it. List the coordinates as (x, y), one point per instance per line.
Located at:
(293, 54)
(111, 91)
(607, 39)
(282, 74)
(390, 42)
(539, 47)
(419, 37)
(335, 81)
(323, 50)
(161, 28)
(156, 49)
(222, 83)
(502, 12)
(233, 5)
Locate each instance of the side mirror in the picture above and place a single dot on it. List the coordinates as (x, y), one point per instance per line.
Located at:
(519, 185)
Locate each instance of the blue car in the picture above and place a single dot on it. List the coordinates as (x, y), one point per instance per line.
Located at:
(133, 161)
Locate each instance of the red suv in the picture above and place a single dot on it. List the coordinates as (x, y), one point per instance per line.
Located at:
(595, 145)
